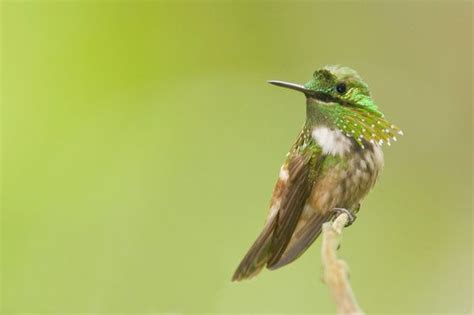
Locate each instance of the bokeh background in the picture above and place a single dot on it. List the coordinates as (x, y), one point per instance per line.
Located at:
(141, 142)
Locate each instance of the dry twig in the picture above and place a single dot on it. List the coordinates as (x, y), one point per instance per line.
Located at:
(336, 275)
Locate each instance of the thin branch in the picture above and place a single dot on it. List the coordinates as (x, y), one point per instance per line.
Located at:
(336, 275)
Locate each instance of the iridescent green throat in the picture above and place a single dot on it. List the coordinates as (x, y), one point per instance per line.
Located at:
(361, 124)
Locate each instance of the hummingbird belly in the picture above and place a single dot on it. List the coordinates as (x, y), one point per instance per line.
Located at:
(343, 181)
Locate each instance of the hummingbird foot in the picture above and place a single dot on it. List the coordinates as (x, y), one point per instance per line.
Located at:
(350, 214)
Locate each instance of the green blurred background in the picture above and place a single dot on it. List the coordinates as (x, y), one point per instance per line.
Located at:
(141, 142)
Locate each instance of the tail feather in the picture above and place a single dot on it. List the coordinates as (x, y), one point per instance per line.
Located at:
(305, 234)
(257, 256)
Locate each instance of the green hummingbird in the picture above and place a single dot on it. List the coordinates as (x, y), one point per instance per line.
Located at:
(330, 168)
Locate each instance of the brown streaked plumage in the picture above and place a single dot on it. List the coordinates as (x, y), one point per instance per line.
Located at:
(328, 167)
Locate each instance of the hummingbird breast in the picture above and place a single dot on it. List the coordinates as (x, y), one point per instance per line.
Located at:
(347, 173)
(344, 177)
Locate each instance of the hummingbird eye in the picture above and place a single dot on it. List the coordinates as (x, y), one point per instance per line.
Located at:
(341, 88)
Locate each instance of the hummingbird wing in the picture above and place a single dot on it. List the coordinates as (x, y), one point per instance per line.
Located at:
(295, 194)
(288, 200)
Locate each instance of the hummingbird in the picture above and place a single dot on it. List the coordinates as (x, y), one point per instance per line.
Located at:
(331, 167)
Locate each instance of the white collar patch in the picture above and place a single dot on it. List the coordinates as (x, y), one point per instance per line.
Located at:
(332, 141)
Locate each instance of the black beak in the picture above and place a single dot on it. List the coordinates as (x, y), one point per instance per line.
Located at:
(293, 86)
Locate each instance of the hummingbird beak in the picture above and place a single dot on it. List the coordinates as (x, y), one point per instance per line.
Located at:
(293, 86)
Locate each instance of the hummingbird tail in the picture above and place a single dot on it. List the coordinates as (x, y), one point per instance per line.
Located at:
(304, 235)
(257, 256)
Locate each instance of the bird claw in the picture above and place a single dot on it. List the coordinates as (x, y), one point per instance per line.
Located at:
(350, 214)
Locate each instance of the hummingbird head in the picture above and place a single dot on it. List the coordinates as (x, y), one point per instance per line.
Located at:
(337, 96)
(338, 85)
